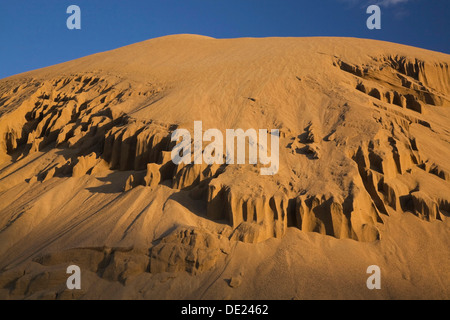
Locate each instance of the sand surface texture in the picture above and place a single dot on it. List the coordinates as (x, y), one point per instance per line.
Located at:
(86, 176)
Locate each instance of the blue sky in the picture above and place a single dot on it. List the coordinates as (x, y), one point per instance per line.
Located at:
(33, 33)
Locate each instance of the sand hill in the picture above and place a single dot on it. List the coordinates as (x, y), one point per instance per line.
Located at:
(86, 176)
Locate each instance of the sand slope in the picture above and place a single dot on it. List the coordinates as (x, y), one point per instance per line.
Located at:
(86, 176)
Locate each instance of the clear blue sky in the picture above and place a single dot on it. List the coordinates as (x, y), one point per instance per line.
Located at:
(33, 33)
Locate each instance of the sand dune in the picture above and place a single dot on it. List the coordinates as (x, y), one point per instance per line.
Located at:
(86, 175)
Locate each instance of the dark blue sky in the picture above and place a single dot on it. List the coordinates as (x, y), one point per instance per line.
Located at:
(33, 33)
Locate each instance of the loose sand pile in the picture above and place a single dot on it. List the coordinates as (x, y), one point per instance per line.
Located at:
(86, 175)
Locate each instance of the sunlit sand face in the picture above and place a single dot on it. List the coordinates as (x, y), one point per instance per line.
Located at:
(87, 176)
